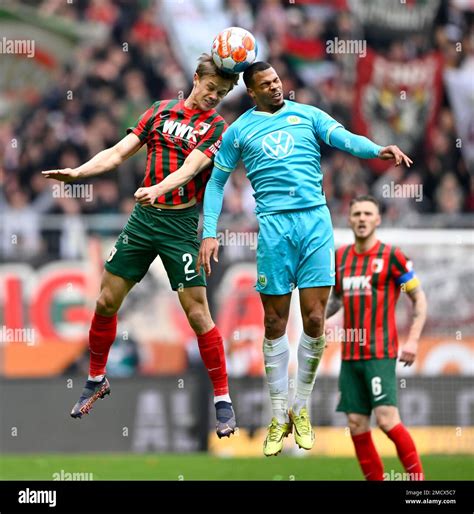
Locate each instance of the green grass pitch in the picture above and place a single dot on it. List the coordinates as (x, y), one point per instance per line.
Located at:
(205, 467)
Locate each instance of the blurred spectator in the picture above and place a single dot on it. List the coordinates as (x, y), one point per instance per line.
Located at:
(107, 85)
(449, 197)
(20, 235)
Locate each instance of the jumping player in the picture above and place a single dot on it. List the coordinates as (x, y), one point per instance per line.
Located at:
(278, 142)
(180, 135)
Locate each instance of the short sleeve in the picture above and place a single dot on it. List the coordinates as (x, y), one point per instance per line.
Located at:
(402, 271)
(324, 124)
(212, 137)
(229, 153)
(144, 123)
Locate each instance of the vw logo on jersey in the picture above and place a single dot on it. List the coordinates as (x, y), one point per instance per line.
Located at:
(278, 145)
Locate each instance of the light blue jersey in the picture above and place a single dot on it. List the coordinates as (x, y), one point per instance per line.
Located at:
(281, 154)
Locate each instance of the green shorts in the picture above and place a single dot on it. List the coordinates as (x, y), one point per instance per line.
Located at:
(366, 384)
(171, 234)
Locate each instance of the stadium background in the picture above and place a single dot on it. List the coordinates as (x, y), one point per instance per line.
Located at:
(97, 66)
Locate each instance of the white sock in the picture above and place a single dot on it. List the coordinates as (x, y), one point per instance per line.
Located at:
(310, 351)
(222, 398)
(276, 353)
(98, 378)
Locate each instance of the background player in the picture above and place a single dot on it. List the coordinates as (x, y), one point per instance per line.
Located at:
(278, 143)
(179, 134)
(369, 277)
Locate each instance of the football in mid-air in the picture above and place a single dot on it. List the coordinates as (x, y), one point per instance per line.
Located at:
(234, 49)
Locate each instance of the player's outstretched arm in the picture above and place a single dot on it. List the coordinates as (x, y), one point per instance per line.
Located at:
(364, 148)
(194, 163)
(410, 348)
(104, 161)
(213, 199)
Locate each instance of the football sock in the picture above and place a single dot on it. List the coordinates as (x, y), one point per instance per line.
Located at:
(406, 451)
(368, 456)
(276, 353)
(310, 351)
(222, 398)
(98, 378)
(101, 337)
(211, 348)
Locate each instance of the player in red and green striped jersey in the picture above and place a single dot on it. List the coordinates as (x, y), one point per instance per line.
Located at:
(369, 277)
(180, 135)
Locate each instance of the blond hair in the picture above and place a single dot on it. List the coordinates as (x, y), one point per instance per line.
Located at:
(207, 67)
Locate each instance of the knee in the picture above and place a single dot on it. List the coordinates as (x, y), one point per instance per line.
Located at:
(358, 425)
(313, 323)
(106, 304)
(198, 319)
(275, 326)
(386, 421)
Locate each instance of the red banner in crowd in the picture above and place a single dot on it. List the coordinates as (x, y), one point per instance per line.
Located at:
(397, 102)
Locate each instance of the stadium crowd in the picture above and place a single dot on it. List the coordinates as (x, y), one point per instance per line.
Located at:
(112, 87)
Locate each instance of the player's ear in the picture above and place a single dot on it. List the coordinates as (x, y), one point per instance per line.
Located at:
(195, 79)
(251, 93)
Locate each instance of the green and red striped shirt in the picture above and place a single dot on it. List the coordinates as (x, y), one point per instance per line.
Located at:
(370, 284)
(171, 132)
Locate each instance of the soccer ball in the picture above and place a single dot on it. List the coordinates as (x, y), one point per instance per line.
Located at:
(234, 49)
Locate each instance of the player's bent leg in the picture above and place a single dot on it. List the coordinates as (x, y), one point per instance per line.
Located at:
(194, 303)
(313, 301)
(103, 330)
(310, 350)
(276, 311)
(101, 337)
(367, 455)
(113, 290)
(388, 419)
(358, 423)
(211, 347)
(276, 353)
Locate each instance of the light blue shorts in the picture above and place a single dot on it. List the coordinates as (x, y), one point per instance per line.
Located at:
(295, 249)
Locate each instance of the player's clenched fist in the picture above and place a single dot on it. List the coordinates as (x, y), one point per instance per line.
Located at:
(146, 195)
(209, 248)
(64, 175)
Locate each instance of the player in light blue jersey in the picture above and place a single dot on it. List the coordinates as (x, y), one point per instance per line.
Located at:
(278, 143)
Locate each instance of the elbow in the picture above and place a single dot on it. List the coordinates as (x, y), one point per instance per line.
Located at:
(115, 159)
